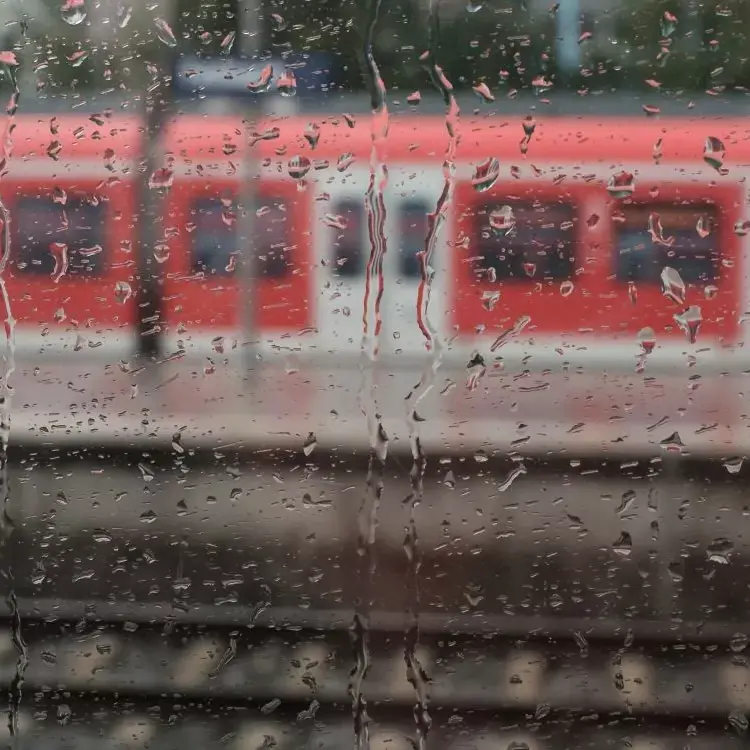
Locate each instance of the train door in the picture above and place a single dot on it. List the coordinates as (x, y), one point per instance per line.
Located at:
(413, 312)
(340, 228)
(204, 294)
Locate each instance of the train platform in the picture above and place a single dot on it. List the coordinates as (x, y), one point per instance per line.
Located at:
(281, 401)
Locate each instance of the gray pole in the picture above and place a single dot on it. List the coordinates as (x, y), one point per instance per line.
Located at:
(249, 42)
(568, 33)
(159, 102)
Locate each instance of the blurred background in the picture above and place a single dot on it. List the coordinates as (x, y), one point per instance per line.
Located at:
(317, 435)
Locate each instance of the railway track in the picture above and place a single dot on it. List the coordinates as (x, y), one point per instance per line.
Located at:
(127, 683)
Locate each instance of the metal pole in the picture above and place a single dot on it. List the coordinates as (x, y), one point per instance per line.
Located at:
(159, 102)
(250, 23)
(568, 33)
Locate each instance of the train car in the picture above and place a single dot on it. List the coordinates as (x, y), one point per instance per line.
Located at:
(563, 240)
(69, 194)
(585, 240)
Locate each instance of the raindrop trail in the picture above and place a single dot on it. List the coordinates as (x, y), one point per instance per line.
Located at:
(16, 685)
(371, 325)
(416, 673)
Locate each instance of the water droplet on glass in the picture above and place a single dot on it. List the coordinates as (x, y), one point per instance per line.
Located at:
(312, 134)
(59, 196)
(350, 120)
(673, 443)
(672, 285)
(309, 445)
(263, 83)
(335, 221)
(668, 24)
(344, 162)
(78, 58)
(9, 58)
(720, 550)
(704, 226)
(566, 288)
(514, 473)
(647, 340)
(657, 151)
(690, 322)
(161, 252)
(623, 545)
(627, 499)
(414, 98)
(161, 179)
(228, 42)
(475, 370)
(473, 6)
(279, 24)
(714, 152)
(741, 228)
(734, 465)
(621, 185)
(483, 92)
(59, 251)
(146, 473)
(502, 221)
(123, 292)
(124, 14)
(380, 445)
(298, 167)
(73, 12)
(287, 83)
(656, 231)
(490, 299)
(710, 291)
(529, 126)
(632, 292)
(486, 175)
(739, 642)
(164, 32)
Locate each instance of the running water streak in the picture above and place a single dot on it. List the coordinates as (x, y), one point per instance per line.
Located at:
(16, 685)
(371, 325)
(416, 673)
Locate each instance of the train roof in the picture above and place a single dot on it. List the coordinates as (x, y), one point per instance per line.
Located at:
(410, 138)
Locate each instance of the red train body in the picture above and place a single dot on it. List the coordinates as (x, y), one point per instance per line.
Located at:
(581, 262)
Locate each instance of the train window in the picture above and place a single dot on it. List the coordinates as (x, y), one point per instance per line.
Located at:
(413, 231)
(272, 232)
(79, 225)
(639, 258)
(215, 237)
(537, 241)
(348, 251)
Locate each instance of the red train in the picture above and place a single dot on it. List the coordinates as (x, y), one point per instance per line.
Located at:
(573, 232)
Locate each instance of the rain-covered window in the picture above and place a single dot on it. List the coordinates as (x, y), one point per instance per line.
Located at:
(45, 233)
